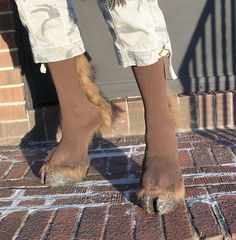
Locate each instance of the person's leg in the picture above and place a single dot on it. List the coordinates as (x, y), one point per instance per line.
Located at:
(142, 42)
(80, 119)
(160, 171)
(55, 40)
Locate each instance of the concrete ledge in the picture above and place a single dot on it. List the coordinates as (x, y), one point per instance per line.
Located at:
(200, 111)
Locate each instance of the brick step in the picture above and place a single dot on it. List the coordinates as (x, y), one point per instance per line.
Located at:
(201, 111)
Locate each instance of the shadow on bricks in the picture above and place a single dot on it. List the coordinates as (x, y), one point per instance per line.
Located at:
(119, 164)
(115, 168)
(224, 136)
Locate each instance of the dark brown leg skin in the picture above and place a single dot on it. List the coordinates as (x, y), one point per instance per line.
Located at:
(161, 185)
(81, 118)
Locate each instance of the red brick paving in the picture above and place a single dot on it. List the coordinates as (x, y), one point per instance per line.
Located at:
(33, 202)
(18, 170)
(205, 224)
(64, 224)
(104, 205)
(195, 191)
(54, 191)
(6, 193)
(4, 167)
(35, 225)
(122, 228)
(147, 226)
(70, 200)
(5, 203)
(92, 223)
(223, 155)
(184, 158)
(227, 206)
(11, 223)
(202, 157)
(177, 224)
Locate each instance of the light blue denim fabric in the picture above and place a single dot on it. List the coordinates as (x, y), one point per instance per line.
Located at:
(138, 29)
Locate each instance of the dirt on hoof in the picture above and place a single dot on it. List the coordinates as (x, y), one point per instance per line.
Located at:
(162, 201)
(59, 175)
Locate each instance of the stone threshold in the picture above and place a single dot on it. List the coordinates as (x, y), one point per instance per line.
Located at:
(199, 110)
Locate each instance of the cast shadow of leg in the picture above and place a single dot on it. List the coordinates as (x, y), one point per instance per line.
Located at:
(115, 164)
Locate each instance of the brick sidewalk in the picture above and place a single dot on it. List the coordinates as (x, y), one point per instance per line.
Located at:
(104, 206)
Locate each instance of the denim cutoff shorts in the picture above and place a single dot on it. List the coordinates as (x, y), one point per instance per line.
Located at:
(139, 31)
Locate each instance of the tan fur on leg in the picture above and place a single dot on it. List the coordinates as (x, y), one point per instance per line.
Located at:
(86, 76)
(177, 114)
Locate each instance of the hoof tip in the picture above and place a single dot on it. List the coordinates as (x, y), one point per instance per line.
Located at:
(161, 206)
